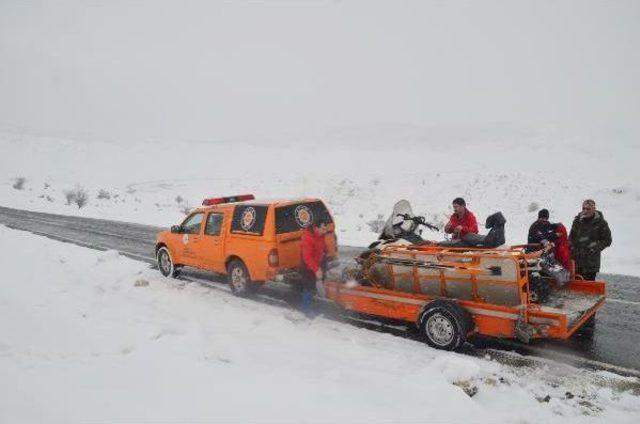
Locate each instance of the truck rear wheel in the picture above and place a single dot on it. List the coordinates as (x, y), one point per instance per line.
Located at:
(445, 325)
(239, 279)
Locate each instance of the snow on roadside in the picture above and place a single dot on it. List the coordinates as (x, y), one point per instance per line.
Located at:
(156, 183)
(94, 336)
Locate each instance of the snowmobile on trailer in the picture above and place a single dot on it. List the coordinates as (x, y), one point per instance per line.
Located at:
(451, 293)
(403, 228)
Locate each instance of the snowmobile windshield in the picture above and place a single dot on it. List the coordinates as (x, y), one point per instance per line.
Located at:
(395, 222)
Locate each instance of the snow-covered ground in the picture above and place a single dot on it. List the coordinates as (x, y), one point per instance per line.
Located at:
(90, 336)
(360, 173)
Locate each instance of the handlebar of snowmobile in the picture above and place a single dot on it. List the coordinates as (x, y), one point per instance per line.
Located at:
(418, 220)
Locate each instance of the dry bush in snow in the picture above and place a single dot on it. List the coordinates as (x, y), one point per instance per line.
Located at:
(78, 196)
(104, 194)
(376, 225)
(18, 183)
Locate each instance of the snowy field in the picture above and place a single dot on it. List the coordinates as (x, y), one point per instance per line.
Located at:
(92, 336)
(360, 173)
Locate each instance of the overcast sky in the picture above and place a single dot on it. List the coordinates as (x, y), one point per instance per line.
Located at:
(190, 70)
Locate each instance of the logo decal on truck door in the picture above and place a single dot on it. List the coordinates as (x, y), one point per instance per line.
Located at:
(185, 238)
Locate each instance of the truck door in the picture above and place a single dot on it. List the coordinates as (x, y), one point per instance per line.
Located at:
(191, 239)
(212, 243)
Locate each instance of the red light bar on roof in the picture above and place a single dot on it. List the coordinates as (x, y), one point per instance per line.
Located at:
(229, 199)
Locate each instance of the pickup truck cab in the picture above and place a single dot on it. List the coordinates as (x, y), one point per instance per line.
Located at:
(248, 240)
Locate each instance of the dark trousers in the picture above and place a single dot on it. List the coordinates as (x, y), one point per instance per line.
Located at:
(308, 290)
(587, 275)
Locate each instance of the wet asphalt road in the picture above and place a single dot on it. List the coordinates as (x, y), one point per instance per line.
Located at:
(616, 341)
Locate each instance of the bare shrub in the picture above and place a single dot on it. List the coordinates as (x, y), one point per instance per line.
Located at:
(78, 196)
(186, 210)
(19, 182)
(533, 206)
(376, 225)
(179, 199)
(104, 194)
(70, 196)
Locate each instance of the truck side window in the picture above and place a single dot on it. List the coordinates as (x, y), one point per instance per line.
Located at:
(214, 224)
(192, 224)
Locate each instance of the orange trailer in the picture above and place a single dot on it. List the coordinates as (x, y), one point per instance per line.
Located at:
(451, 293)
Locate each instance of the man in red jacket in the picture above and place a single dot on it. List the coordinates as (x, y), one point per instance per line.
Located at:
(313, 251)
(462, 222)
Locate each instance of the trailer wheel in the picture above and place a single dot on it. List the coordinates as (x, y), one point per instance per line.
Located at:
(165, 263)
(445, 325)
(539, 289)
(239, 279)
(587, 330)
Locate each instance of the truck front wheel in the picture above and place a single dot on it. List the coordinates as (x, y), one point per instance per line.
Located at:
(165, 263)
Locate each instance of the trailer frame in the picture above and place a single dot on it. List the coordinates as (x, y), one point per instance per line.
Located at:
(416, 276)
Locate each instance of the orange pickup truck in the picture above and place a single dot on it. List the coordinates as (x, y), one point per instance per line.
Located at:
(250, 241)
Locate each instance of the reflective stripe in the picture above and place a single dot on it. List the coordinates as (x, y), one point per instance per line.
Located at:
(492, 313)
(541, 320)
(385, 297)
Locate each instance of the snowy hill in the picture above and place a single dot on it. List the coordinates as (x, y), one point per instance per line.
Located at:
(515, 172)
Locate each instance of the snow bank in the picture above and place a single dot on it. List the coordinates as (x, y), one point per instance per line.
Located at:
(93, 336)
(157, 183)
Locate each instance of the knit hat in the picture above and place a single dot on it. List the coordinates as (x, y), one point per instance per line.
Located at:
(543, 214)
(459, 201)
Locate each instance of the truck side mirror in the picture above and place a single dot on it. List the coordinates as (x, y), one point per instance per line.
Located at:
(176, 229)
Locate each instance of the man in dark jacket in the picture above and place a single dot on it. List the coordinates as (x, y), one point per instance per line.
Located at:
(590, 235)
(541, 231)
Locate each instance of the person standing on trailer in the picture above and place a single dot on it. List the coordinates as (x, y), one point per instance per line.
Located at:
(589, 236)
(542, 231)
(462, 225)
(561, 251)
(313, 251)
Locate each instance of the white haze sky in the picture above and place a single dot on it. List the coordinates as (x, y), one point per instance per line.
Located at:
(207, 70)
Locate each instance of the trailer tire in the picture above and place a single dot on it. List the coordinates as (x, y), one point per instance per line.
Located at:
(587, 330)
(239, 279)
(165, 263)
(445, 324)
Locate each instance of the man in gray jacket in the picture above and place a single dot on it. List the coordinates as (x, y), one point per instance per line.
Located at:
(590, 235)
